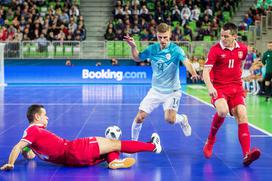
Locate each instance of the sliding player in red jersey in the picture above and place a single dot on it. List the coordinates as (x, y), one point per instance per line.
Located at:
(80, 152)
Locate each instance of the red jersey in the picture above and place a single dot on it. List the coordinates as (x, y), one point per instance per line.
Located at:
(52, 148)
(46, 145)
(226, 64)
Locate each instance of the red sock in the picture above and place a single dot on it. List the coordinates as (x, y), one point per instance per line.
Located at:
(244, 137)
(112, 156)
(216, 123)
(136, 146)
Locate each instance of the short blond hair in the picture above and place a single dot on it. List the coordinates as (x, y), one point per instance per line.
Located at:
(163, 27)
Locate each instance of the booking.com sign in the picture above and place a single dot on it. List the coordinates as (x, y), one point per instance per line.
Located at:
(110, 74)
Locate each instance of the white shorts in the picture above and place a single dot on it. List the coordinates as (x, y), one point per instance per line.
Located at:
(154, 98)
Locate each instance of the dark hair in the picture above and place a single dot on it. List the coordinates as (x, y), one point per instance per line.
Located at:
(32, 110)
(232, 27)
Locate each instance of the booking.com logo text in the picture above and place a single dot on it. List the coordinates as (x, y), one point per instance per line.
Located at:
(108, 74)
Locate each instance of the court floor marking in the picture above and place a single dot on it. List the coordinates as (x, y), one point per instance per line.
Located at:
(252, 125)
(87, 104)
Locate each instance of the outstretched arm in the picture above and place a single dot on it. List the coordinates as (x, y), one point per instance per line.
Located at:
(14, 155)
(206, 77)
(134, 51)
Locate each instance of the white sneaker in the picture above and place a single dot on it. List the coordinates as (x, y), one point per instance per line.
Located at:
(123, 163)
(186, 128)
(155, 139)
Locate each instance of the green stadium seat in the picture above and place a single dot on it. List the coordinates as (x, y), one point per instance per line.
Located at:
(26, 51)
(76, 51)
(175, 23)
(127, 50)
(192, 25)
(199, 50)
(144, 45)
(136, 37)
(118, 48)
(226, 15)
(68, 52)
(110, 48)
(150, 6)
(207, 38)
(185, 49)
(50, 50)
(33, 51)
(59, 51)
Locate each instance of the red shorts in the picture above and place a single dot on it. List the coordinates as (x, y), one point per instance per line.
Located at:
(234, 95)
(83, 152)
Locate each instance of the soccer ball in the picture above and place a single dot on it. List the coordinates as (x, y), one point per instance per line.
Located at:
(113, 132)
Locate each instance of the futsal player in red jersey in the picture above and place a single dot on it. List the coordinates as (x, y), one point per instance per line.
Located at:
(222, 76)
(80, 152)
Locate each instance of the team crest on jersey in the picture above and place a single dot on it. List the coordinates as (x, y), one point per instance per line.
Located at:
(168, 56)
(223, 56)
(240, 54)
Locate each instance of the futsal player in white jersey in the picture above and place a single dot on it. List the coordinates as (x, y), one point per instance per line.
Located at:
(165, 58)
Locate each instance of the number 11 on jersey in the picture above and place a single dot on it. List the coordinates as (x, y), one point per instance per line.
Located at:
(231, 63)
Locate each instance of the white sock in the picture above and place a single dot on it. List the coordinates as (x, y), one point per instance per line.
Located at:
(135, 130)
(179, 119)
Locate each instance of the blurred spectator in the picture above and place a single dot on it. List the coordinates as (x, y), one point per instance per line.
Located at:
(185, 14)
(98, 64)
(114, 62)
(68, 62)
(42, 43)
(195, 13)
(248, 20)
(176, 14)
(109, 35)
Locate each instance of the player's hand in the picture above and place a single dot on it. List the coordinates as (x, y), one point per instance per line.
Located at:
(7, 167)
(130, 41)
(212, 92)
(195, 77)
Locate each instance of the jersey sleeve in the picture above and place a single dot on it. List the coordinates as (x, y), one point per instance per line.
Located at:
(144, 55)
(211, 59)
(181, 54)
(245, 53)
(30, 134)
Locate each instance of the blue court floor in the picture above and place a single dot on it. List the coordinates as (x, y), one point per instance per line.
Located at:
(82, 111)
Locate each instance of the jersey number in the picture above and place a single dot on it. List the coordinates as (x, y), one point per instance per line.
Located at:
(231, 63)
(160, 67)
(175, 103)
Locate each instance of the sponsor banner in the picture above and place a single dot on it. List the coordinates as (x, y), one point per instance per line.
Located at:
(81, 74)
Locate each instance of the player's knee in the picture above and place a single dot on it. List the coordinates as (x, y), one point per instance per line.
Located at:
(116, 144)
(140, 118)
(222, 113)
(242, 118)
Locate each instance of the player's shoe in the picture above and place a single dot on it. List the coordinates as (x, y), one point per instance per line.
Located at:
(208, 148)
(155, 139)
(251, 156)
(122, 163)
(186, 128)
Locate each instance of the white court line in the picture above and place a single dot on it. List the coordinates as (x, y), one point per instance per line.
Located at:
(255, 127)
(84, 104)
(260, 136)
